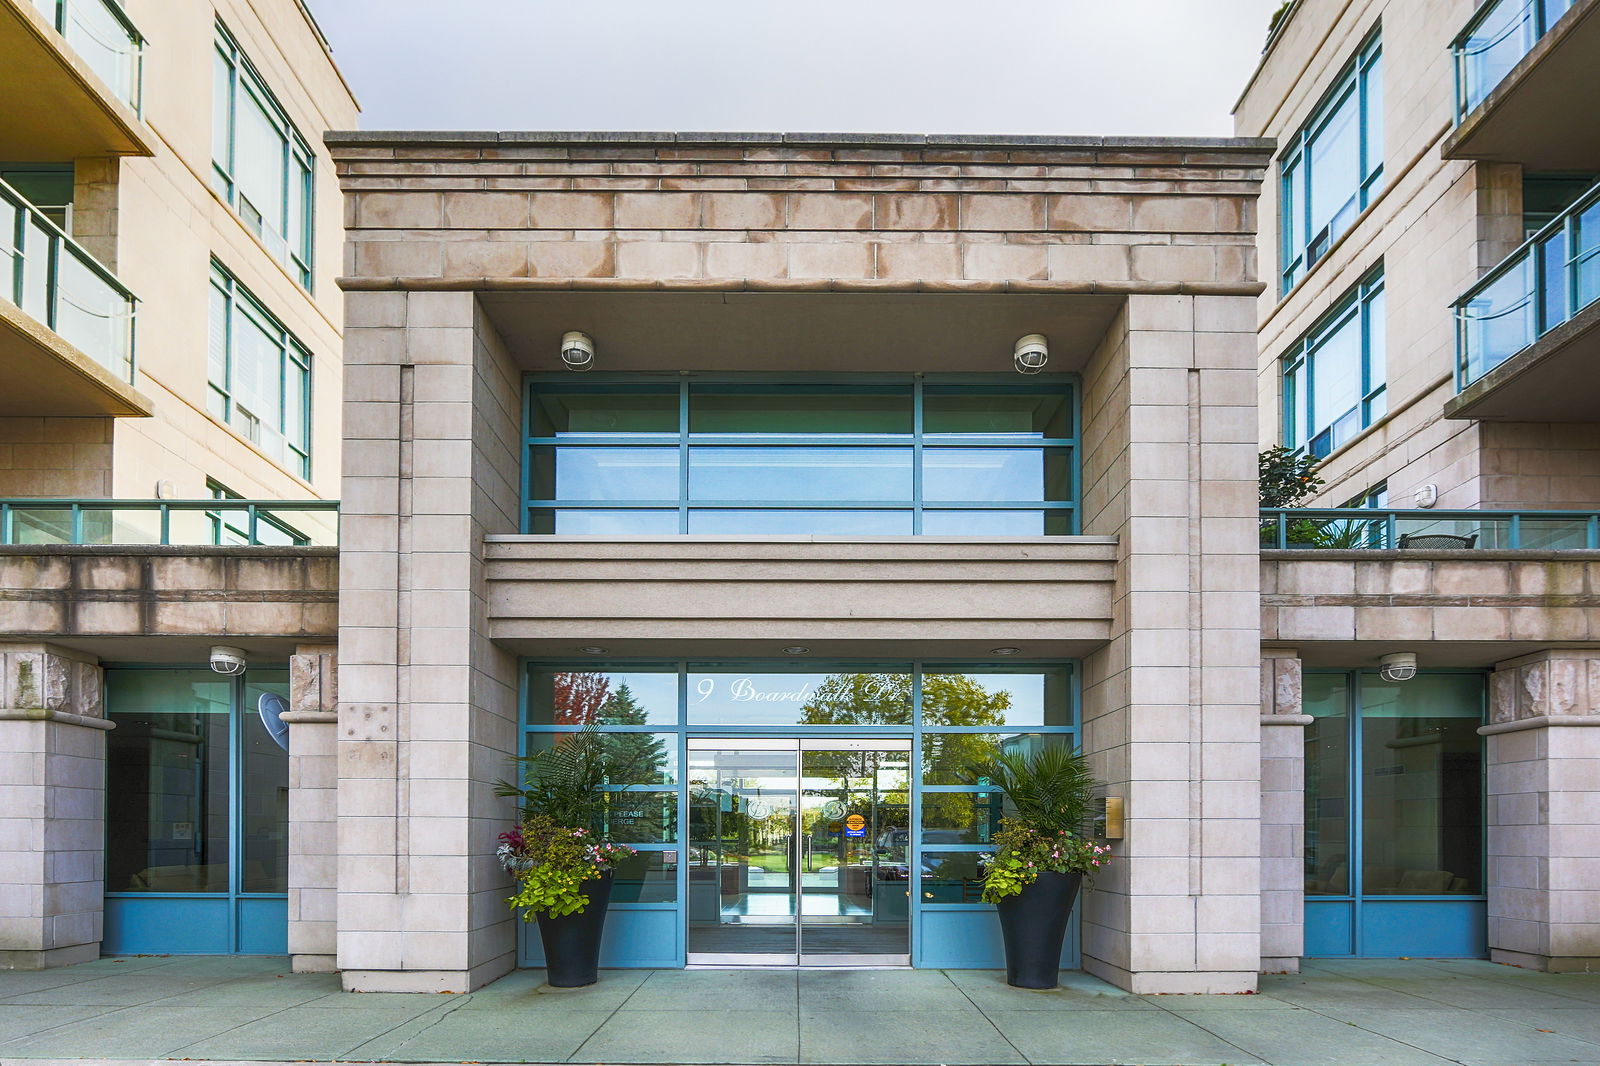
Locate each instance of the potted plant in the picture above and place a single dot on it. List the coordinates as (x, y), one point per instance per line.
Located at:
(1044, 848)
(558, 852)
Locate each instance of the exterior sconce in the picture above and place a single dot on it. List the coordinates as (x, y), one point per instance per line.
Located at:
(1032, 353)
(577, 351)
(1112, 827)
(1427, 495)
(227, 661)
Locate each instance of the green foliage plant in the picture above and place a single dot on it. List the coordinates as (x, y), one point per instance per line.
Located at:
(1286, 477)
(1050, 827)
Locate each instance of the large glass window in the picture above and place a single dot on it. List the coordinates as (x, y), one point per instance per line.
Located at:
(892, 458)
(260, 375)
(1335, 377)
(260, 162)
(1333, 166)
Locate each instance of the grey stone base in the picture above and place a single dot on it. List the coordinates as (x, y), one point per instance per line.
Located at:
(314, 963)
(1547, 963)
(15, 959)
(1282, 965)
(426, 980)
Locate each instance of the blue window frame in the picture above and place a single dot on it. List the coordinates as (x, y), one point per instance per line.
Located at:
(260, 163)
(1333, 166)
(259, 374)
(1335, 377)
(873, 455)
(952, 712)
(1394, 825)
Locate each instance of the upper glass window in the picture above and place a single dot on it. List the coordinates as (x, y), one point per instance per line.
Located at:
(1333, 166)
(260, 375)
(260, 163)
(1334, 377)
(938, 458)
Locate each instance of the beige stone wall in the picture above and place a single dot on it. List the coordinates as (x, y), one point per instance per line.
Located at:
(1283, 816)
(1085, 212)
(1436, 227)
(55, 456)
(313, 806)
(1171, 717)
(157, 222)
(52, 806)
(1543, 802)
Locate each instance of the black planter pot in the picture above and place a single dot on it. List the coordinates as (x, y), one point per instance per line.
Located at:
(1033, 924)
(572, 942)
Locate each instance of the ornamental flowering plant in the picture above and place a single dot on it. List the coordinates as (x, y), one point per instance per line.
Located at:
(551, 862)
(564, 805)
(1049, 823)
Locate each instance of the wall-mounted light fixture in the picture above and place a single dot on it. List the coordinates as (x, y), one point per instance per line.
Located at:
(1031, 354)
(577, 351)
(1401, 666)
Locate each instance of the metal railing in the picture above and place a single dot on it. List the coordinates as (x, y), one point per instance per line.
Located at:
(1355, 528)
(1550, 278)
(45, 272)
(1495, 39)
(284, 523)
(106, 39)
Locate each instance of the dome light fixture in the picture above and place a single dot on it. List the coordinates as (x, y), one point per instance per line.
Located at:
(577, 351)
(1031, 354)
(593, 649)
(1004, 651)
(1399, 666)
(796, 649)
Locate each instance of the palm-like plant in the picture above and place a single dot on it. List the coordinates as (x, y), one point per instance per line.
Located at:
(1052, 789)
(567, 781)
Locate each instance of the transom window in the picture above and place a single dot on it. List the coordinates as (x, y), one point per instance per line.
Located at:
(883, 457)
(1334, 378)
(1333, 166)
(260, 375)
(260, 163)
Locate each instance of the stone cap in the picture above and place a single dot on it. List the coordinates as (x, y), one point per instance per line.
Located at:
(610, 138)
(237, 551)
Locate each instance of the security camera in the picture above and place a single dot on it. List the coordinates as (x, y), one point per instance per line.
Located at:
(1401, 666)
(1031, 354)
(226, 660)
(577, 351)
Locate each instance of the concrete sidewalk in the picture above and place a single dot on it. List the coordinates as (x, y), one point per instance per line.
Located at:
(1412, 1013)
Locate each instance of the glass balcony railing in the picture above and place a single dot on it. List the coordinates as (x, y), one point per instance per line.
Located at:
(1494, 41)
(280, 523)
(104, 37)
(1355, 528)
(1553, 276)
(61, 286)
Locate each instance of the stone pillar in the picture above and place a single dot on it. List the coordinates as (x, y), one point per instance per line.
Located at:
(427, 703)
(1171, 707)
(52, 806)
(313, 807)
(1283, 812)
(1543, 752)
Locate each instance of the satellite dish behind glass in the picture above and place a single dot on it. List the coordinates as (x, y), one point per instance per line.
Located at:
(271, 705)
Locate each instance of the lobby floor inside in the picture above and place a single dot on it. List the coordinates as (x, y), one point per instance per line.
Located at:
(1346, 1013)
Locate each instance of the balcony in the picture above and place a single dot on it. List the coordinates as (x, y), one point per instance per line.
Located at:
(1526, 345)
(78, 64)
(66, 323)
(1522, 70)
(229, 522)
(1372, 529)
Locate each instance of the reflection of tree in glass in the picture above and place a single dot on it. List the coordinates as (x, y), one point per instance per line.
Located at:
(587, 699)
(947, 700)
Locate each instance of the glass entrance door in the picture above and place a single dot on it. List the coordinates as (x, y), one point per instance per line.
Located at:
(797, 852)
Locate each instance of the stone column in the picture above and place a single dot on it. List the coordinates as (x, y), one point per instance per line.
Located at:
(427, 703)
(52, 806)
(1171, 707)
(1543, 752)
(1283, 812)
(313, 807)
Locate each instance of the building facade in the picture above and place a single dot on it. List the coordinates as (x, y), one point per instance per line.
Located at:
(1427, 242)
(169, 337)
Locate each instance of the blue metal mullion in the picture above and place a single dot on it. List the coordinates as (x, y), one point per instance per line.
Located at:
(914, 810)
(1355, 837)
(235, 807)
(916, 455)
(683, 457)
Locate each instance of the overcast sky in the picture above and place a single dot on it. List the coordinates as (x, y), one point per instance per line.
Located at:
(1136, 67)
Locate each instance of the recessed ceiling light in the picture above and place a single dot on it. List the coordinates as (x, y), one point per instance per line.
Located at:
(592, 649)
(796, 649)
(1004, 651)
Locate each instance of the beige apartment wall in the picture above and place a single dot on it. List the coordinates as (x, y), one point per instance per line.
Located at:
(55, 456)
(166, 223)
(1436, 226)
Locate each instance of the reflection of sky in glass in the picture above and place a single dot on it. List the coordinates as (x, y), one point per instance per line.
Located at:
(779, 474)
(980, 475)
(820, 523)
